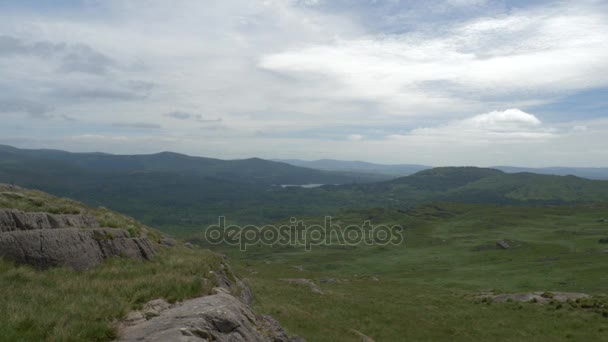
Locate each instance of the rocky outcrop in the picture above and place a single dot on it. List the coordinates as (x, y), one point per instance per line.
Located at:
(14, 220)
(536, 297)
(73, 247)
(220, 317)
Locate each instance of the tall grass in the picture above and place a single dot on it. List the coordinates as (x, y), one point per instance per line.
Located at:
(63, 305)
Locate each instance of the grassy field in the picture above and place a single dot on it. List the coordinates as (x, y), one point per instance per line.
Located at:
(63, 305)
(425, 289)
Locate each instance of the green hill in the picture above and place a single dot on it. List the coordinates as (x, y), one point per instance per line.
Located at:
(179, 193)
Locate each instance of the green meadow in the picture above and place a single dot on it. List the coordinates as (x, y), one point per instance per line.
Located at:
(427, 288)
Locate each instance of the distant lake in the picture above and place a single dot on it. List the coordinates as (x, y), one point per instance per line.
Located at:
(307, 186)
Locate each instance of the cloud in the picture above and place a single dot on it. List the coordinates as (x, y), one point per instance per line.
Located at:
(145, 125)
(355, 137)
(528, 55)
(309, 74)
(34, 109)
(511, 125)
(88, 93)
(179, 115)
(71, 58)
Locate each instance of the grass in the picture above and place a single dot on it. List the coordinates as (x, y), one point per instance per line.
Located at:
(426, 287)
(63, 305)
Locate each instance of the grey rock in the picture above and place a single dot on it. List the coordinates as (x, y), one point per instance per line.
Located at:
(153, 308)
(225, 279)
(537, 297)
(220, 317)
(503, 244)
(167, 241)
(306, 283)
(80, 249)
(15, 220)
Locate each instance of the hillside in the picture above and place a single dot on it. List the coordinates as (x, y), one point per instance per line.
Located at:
(70, 272)
(182, 194)
(482, 185)
(397, 170)
(600, 173)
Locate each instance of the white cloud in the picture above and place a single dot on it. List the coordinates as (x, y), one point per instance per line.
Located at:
(355, 137)
(527, 55)
(511, 125)
(231, 68)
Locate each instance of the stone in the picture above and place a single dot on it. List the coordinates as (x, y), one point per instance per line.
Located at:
(167, 241)
(80, 249)
(220, 317)
(503, 244)
(537, 297)
(15, 220)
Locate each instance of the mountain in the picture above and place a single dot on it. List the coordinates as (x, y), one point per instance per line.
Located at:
(385, 171)
(179, 193)
(600, 173)
(253, 170)
(358, 166)
(484, 185)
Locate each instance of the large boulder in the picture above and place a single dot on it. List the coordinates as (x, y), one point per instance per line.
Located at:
(220, 317)
(13, 220)
(77, 248)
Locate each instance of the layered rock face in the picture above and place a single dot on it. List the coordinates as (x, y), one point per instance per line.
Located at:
(13, 220)
(44, 240)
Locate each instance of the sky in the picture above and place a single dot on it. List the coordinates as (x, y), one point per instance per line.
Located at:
(435, 82)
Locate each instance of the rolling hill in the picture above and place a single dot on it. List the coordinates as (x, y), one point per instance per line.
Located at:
(388, 171)
(181, 194)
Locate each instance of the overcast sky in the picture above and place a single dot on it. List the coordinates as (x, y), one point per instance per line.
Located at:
(438, 82)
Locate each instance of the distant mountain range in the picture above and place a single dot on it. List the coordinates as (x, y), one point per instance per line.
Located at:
(253, 170)
(178, 192)
(399, 170)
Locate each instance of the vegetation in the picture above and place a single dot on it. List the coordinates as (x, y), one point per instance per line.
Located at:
(63, 305)
(183, 195)
(428, 288)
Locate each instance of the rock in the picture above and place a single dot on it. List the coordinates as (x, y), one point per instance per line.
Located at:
(220, 317)
(15, 220)
(503, 244)
(333, 281)
(133, 318)
(246, 295)
(375, 279)
(153, 308)
(305, 282)
(167, 241)
(189, 245)
(299, 268)
(80, 249)
(226, 280)
(537, 297)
